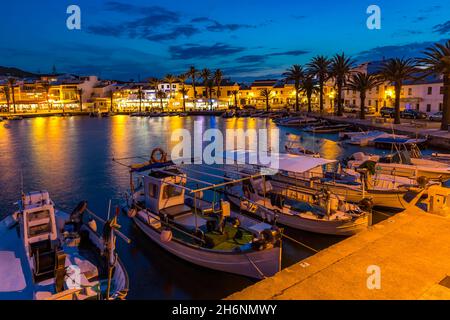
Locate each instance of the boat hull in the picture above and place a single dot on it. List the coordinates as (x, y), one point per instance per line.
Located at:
(329, 227)
(388, 199)
(267, 262)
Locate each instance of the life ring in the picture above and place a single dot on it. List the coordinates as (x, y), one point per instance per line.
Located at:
(162, 156)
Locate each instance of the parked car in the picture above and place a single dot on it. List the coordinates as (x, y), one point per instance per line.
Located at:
(387, 112)
(413, 114)
(436, 116)
(355, 109)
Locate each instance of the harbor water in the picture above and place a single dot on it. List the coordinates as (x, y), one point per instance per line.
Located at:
(72, 159)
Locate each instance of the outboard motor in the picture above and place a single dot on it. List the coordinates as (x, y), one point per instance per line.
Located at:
(76, 217)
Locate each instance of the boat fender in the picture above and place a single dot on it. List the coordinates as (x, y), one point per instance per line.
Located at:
(166, 235)
(93, 225)
(162, 156)
(270, 236)
(132, 213)
(366, 204)
(422, 181)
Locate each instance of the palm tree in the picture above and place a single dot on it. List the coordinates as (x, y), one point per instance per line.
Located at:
(340, 68)
(183, 78)
(296, 74)
(140, 94)
(7, 96)
(319, 67)
(80, 99)
(210, 88)
(437, 61)
(111, 99)
(155, 83)
(160, 94)
(308, 87)
(184, 92)
(266, 93)
(218, 77)
(47, 87)
(206, 76)
(193, 73)
(170, 79)
(235, 94)
(11, 83)
(396, 71)
(362, 82)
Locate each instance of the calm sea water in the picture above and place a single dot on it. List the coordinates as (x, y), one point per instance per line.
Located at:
(72, 159)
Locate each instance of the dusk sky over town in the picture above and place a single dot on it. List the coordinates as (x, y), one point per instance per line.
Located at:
(246, 39)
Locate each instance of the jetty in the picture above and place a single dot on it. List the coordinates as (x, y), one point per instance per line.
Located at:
(410, 250)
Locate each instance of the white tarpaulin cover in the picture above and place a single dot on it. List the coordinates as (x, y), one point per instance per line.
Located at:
(277, 161)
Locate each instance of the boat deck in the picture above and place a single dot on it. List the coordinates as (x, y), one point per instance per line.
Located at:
(16, 283)
(411, 249)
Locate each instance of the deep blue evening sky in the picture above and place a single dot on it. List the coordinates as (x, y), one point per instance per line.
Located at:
(246, 38)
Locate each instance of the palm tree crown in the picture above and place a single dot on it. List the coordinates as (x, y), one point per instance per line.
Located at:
(319, 66)
(396, 71)
(340, 68)
(266, 93)
(296, 74)
(218, 77)
(308, 87)
(362, 82)
(437, 61)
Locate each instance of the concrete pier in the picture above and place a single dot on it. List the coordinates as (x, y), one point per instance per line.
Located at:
(411, 249)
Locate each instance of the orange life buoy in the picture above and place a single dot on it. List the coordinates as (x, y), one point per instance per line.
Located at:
(162, 156)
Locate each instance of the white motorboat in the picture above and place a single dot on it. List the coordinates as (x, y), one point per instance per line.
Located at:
(210, 235)
(402, 164)
(47, 254)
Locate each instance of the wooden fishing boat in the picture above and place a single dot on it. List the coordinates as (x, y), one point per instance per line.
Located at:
(47, 254)
(327, 128)
(207, 234)
(301, 208)
(297, 122)
(388, 142)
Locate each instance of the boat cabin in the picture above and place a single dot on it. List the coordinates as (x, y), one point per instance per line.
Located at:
(164, 191)
(39, 233)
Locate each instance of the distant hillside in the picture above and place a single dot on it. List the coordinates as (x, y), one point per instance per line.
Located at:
(15, 72)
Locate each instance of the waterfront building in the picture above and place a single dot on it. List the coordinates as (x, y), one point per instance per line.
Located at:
(425, 94)
(67, 92)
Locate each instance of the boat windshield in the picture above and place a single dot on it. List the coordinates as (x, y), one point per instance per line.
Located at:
(170, 191)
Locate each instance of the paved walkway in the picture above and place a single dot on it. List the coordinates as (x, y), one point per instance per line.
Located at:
(412, 250)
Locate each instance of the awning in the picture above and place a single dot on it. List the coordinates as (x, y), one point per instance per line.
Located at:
(278, 161)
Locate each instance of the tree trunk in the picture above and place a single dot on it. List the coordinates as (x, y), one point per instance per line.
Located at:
(321, 96)
(184, 103)
(267, 105)
(398, 90)
(309, 97)
(297, 107)
(14, 100)
(235, 101)
(363, 106)
(446, 103)
(339, 100)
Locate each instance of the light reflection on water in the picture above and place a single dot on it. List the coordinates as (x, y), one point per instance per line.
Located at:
(72, 159)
